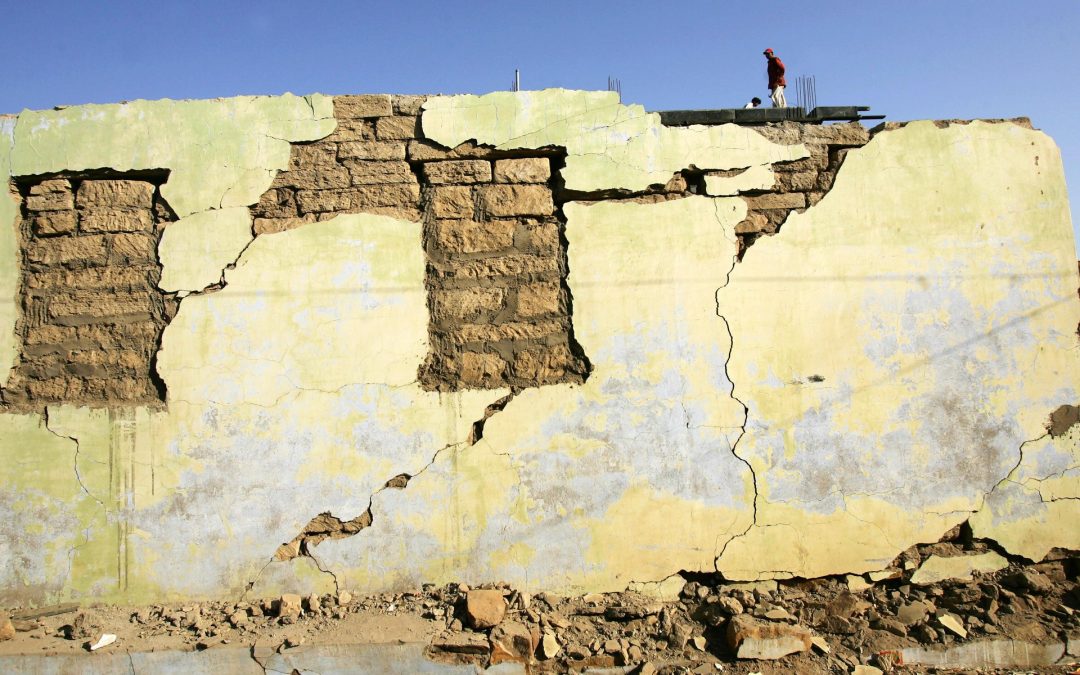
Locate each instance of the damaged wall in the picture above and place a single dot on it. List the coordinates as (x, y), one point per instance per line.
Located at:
(535, 337)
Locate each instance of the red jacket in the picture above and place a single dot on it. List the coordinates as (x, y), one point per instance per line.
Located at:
(776, 73)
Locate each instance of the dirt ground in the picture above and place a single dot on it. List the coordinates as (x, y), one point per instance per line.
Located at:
(831, 625)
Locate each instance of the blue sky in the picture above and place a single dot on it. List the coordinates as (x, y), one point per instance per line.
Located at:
(908, 60)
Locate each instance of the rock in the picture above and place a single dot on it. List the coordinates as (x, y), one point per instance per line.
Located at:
(511, 641)
(647, 668)
(953, 624)
(846, 605)
(856, 583)
(779, 614)
(344, 598)
(821, 644)
(699, 643)
(549, 646)
(752, 639)
(104, 640)
(7, 629)
(485, 608)
(680, 634)
(290, 605)
(936, 568)
(882, 575)
(912, 613)
(1028, 580)
(730, 605)
(866, 670)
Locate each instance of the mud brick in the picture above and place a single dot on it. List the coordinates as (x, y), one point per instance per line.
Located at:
(790, 200)
(90, 249)
(129, 247)
(452, 202)
(397, 128)
(482, 369)
(276, 203)
(132, 194)
(371, 172)
(502, 266)
(516, 200)
(363, 105)
(515, 330)
(384, 150)
(103, 219)
(539, 299)
(466, 304)
(458, 172)
(407, 104)
(424, 151)
(524, 170)
(51, 195)
(315, 178)
(467, 236)
(53, 222)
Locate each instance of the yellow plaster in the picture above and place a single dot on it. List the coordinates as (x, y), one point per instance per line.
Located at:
(9, 255)
(609, 145)
(932, 293)
(310, 308)
(1038, 506)
(622, 479)
(194, 251)
(754, 178)
(219, 153)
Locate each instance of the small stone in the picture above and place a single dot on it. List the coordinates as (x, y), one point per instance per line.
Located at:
(866, 670)
(912, 613)
(289, 605)
(856, 583)
(7, 629)
(953, 624)
(752, 639)
(699, 643)
(821, 644)
(344, 598)
(485, 608)
(779, 614)
(511, 641)
(549, 646)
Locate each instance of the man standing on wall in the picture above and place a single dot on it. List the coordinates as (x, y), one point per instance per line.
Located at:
(776, 79)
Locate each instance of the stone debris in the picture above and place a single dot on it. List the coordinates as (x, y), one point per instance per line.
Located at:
(1022, 616)
(485, 608)
(752, 639)
(953, 624)
(104, 640)
(7, 629)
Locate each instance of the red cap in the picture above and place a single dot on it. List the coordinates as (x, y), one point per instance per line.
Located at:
(767, 51)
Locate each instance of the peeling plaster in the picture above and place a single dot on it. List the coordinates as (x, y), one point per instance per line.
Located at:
(609, 145)
(195, 251)
(933, 377)
(220, 153)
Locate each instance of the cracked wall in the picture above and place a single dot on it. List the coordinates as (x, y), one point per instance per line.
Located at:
(878, 366)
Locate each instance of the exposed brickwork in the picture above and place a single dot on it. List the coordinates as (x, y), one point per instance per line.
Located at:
(799, 184)
(500, 309)
(92, 314)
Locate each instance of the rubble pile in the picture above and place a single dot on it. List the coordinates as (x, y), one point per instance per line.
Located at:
(884, 622)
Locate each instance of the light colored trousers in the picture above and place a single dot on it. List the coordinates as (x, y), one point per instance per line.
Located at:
(778, 100)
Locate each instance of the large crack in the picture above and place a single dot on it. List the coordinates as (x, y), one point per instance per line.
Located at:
(328, 526)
